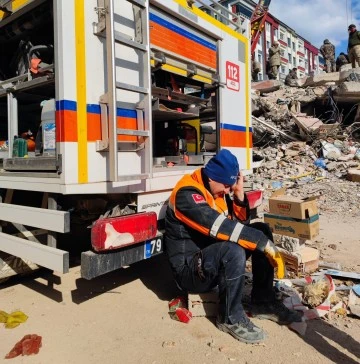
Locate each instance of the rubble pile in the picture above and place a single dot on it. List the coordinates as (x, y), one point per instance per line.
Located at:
(306, 141)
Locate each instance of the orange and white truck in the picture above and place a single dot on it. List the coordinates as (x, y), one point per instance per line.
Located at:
(116, 100)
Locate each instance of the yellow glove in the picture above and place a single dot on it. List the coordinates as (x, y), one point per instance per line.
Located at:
(275, 259)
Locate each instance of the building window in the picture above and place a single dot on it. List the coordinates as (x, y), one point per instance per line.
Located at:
(260, 77)
(282, 52)
(301, 46)
(289, 42)
(260, 58)
(289, 57)
(268, 27)
(294, 61)
(293, 46)
(267, 44)
(276, 33)
(282, 36)
(282, 69)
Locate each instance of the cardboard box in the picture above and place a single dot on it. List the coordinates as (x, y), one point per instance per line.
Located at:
(295, 207)
(297, 228)
(204, 304)
(303, 261)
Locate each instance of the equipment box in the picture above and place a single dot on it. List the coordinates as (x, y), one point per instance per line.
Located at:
(291, 206)
(296, 228)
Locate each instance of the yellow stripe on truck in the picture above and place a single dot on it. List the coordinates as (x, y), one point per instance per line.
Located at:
(81, 90)
(15, 6)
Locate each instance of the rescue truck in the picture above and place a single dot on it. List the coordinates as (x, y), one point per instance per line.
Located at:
(105, 105)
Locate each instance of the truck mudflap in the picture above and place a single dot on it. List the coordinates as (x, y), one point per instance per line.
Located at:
(95, 264)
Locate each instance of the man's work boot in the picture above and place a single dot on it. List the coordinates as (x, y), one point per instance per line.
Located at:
(275, 311)
(244, 331)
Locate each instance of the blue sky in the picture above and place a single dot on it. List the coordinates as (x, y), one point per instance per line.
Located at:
(316, 20)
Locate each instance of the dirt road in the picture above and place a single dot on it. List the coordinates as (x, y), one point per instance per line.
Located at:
(122, 318)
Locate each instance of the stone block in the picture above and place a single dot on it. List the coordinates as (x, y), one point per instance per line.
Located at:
(204, 304)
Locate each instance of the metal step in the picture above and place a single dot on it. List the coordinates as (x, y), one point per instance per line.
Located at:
(142, 133)
(124, 39)
(128, 87)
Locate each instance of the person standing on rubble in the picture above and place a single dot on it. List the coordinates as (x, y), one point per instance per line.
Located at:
(291, 77)
(274, 60)
(341, 60)
(354, 46)
(208, 239)
(328, 52)
(255, 69)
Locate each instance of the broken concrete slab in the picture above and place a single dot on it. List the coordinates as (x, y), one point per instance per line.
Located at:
(351, 74)
(322, 79)
(354, 301)
(353, 175)
(347, 92)
(308, 125)
(266, 86)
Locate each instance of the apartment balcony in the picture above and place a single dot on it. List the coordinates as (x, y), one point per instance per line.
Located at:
(284, 60)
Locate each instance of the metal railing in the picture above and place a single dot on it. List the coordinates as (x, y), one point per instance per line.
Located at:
(223, 18)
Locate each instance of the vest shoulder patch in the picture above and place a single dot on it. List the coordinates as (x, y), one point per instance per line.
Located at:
(198, 198)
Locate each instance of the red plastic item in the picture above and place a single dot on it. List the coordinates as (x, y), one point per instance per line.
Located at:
(178, 302)
(178, 310)
(28, 345)
(120, 231)
(183, 315)
(255, 198)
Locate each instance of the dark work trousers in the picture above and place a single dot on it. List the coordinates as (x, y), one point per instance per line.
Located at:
(223, 264)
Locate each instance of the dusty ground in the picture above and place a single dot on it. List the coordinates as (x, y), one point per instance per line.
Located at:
(122, 318)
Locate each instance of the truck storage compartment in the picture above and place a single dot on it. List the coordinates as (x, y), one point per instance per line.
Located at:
(184, 92)
(27, 84)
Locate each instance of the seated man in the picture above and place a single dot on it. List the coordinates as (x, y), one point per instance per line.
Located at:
(208, 240)
(291, 77)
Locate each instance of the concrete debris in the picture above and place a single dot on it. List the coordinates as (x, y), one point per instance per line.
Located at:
(307, 141)
(266, 86)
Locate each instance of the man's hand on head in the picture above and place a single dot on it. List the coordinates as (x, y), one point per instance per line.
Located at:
(238, 187)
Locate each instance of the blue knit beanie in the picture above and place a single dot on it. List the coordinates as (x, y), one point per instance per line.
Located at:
(223, 168)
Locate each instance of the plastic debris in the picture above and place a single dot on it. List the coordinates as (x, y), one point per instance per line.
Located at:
(330, 151)
(178, 310)
(13, 319)
(341, 273)
(320, 162)
(28, 345)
